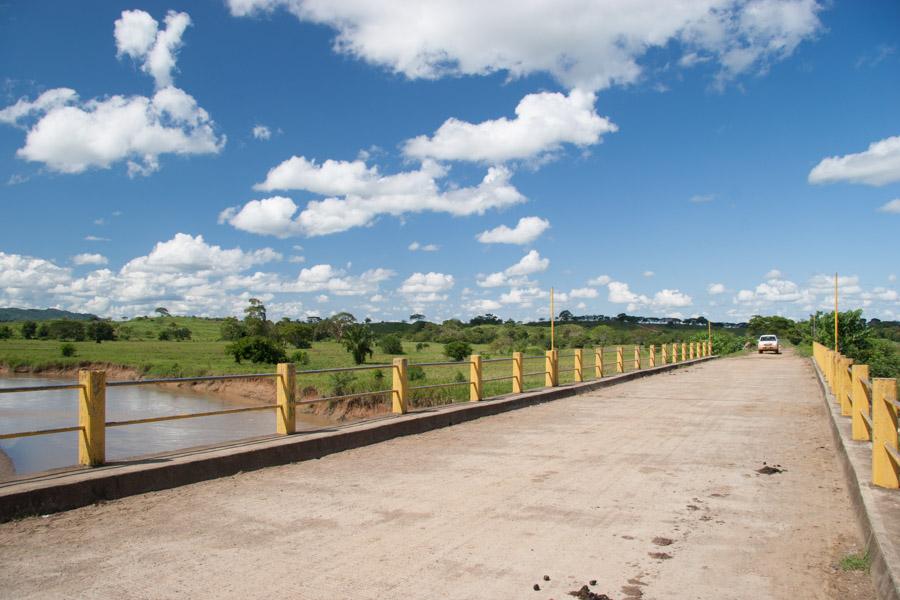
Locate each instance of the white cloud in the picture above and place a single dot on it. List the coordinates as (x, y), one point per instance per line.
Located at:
(415, 246)
(600, 45)
(366, 195)
(524, 297)
(321, 298)
(483, 306)
(824, 284)
(702, 198)
(892, 277)
(620, 293)
(89, 259)
(138, 36)
(666, 298)
(877, 165)
(427, 287)
(649, 273)
(516, 274)
(261, 132)
(585, 292)
(543, 123)
(47, 101)
(891, 207)
(526, 231)
(600, 280)
(774, 274)
(94, 238)
(187, 253)
(297, 259)
(714, 289)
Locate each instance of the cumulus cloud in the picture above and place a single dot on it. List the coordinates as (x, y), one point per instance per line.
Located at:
(774, 274)
(702, 198)
(261, 132)
(427, 287)
(483, 305)
(649, 273)
(891, 207)
(138, 36)
(416, 246)
(516, 274)
(620, 293)
(89, 259)
(600, 280)
(543, 123)
(366, 194)
(599, 48)
(525, 232)
(69, 135)
(187, 253)
(877, 165)
(714, 289)
(585, 292)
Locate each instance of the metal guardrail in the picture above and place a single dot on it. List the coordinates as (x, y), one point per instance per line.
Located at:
(92, 386)
(871, 404)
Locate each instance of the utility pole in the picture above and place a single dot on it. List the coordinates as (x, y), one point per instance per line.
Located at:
(835, 312)
(552, 317)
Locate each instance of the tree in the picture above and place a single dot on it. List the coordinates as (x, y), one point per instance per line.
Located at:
(256, 349)
(6, 332)
(66, 330)
(416, 317)
(255, 310)
(457, 350)
(338, 324)
(162, 311)
(566, 316)
(358, 340)
(174, 333)
(232, 330)
(391, 344)
(100, 331)
(29, 330)
(300, 335)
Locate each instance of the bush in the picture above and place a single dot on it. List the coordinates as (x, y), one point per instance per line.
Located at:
(422, 345)
(67, 350)
(342, 383)
(29, 329)
(5, 332)
(100, 331)
(66, 330)
(256, 349)
(415, 373)
(232, 330)
(300, 357)
(457, 350)
(391, 344)
(175, 334)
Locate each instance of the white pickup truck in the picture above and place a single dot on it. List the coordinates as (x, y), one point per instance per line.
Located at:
(768, 343)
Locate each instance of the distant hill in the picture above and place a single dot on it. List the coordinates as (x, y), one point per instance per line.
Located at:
(42, 314)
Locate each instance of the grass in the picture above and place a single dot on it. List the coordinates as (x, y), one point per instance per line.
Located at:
(203, 356)
(856, 562)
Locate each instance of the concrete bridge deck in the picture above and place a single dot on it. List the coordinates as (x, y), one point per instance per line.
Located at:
(579, 489)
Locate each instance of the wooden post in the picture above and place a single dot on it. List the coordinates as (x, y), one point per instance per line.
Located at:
(518, 383)
(664, 358)
(674, 353)
(92, 418)
(579, 365)
(285, 396)
(400, 395)
(598, 362)
(683, 351)
(885, 472)
(637, 357)
(859, 429)
(652, 355)
(620, 360)
(845, 388)
(549, 380)
(476, 385)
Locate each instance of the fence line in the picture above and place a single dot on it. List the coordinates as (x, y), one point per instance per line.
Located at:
(92, 386)
(871, 404)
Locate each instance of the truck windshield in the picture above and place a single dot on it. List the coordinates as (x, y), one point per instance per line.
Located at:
(768, 338)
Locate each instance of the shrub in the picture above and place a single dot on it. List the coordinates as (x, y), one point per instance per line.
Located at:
(66, 330)
(459, 377)
(5, 332)
(67, 349)
(422, 345)
(378, 376)
(415, 373)
(232, 330)
(358, 340)
(457, 350)
(342, 383)
(100, 331)
(300, 357)
(29, 329)
(174, 333)
(256, 349)
(390, 344)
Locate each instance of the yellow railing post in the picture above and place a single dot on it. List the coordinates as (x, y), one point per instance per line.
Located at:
(885, 472)
(620, 359)
(691, 349)
(517, 382)
(579, 365)
(652, 355)
(637, 357)
(92, 417)
(844, 388)
(683, 351)
(476, 385)
(664, 358)
(860, 402)
(400, 395)
(674, 353)
(598, 362)
(550, 368)
(835, 374)
(709, 346)
(285, 395)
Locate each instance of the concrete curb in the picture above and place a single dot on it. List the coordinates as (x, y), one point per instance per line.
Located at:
(885, 569)
(66, 489)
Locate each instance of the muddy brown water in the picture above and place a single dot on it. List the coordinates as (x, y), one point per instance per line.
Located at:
(59, 408)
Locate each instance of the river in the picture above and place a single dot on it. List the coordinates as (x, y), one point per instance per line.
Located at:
(59, 408)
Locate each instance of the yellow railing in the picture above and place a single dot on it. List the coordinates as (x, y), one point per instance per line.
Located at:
(92, 386)
(872, 407)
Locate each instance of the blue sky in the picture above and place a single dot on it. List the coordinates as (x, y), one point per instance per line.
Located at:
(717, 159)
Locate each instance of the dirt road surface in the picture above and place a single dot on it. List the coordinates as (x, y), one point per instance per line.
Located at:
(650, 488)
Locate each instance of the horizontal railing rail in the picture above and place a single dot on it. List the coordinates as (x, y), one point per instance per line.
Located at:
(92, 386)
(871, 404)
